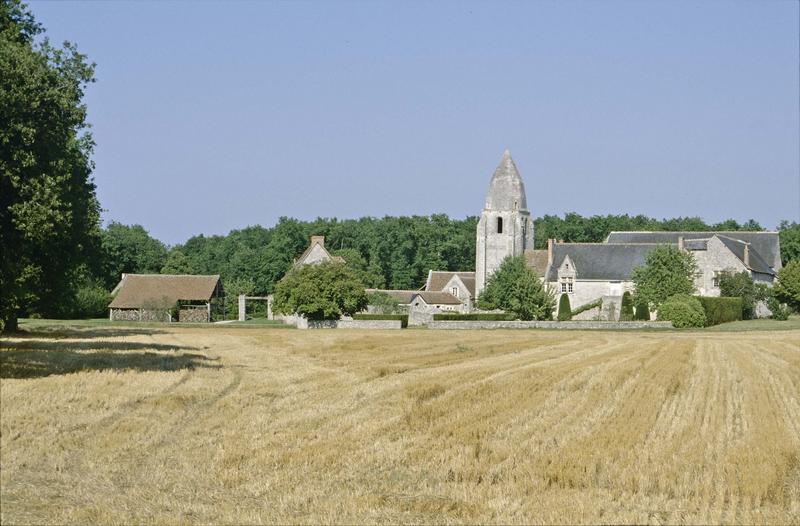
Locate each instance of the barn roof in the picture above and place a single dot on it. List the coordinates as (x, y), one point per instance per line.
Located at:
(537, 260)
(137, 291)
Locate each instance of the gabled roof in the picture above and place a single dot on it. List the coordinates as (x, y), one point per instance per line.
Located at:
(506, 190)
(318, 243)
(142, 291)
(537, 260)
(438, 298)
(438, 280)
(767, 244)
(603, 261)
(756, 262)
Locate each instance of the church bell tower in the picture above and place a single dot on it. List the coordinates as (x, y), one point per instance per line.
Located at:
(505, 227)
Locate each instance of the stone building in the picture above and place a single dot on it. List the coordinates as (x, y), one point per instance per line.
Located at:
(591, 271)
(165, 298)
(316, 253)
(505, 227)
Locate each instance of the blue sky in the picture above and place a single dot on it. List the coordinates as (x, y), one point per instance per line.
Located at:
(211, 116)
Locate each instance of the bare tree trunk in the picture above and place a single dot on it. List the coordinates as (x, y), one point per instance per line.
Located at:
(10, 324)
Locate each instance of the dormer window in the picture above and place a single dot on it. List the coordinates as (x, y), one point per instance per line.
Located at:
(499, 225)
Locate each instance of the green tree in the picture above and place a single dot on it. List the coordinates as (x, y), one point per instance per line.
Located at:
(667, 271)
(564, 309)
(789, 234)
(515, 288)
(383, 303)
(177, 263)
(366, 273)
(741, 285)
(320, 291)
(642, 312)
(787, 285)
(49, 214)
(129, 249)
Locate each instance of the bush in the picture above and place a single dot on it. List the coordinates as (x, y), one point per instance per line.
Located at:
(683, 311)
(402, 317)
(564, 311)
(516, 288)
(779, 311)
(642, 312)
(741, 285)
(322, 291)
(588, 306)
(486, 316)
(91, 301)
(626, 311)
(721, 309)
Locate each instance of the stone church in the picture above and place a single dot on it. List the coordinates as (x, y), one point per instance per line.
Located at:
(591, 271)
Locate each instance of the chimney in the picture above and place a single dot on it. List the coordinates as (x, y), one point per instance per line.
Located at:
(680, 242)
(747, 255)
(318, 239)
(550, 250)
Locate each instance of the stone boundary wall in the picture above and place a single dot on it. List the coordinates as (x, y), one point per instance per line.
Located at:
(600, 325)
(302, 323)
(369, 324)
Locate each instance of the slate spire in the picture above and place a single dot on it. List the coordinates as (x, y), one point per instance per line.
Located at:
(506, 190)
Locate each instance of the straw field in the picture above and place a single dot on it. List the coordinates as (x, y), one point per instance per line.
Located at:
(248, 426)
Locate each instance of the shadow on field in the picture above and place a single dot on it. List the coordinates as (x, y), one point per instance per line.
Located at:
(29, 358)
(59, 332)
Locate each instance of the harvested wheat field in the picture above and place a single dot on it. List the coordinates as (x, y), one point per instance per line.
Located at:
(246, 426)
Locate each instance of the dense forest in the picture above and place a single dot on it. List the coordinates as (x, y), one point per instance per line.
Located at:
(392, 252)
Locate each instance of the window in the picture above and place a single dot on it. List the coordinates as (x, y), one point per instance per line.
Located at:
(715, 279)
(566, 285)
(454, 291)
(499, 225)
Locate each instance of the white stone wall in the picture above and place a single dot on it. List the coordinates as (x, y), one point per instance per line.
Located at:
(715, 258)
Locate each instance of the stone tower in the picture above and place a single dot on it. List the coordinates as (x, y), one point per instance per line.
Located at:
(505, 227)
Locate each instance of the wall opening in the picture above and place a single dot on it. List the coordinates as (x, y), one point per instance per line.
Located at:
(499, 225)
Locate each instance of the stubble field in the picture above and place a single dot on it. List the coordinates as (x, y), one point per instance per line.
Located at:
(223, 425)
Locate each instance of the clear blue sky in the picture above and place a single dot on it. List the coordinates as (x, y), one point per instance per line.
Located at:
(211, 116)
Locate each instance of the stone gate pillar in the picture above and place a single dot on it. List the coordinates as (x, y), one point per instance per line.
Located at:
(241, 307)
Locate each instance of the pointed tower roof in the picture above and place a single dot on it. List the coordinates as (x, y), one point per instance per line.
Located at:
(506, 191)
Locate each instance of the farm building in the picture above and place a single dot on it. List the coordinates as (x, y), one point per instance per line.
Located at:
(165, 298)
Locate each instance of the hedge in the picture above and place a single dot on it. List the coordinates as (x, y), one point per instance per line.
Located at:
(642, 312)
(487, 316)
(626, 312)
(587, 306)
(683, 311)
(402, 317)
(721, 309)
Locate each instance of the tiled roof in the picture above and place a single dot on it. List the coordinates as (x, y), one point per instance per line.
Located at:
(438, 298)
(537, 260)
(767, 244)
(756, 262)
(438, 280)
(603, 261)
(137, 291)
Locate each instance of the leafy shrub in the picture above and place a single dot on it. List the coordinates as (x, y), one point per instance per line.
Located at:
(91, 301)
(486, 316)
(383, 302)
(721, 309)
(516, 288)
(402, 317)
(683, 311)
(626, 311)
(741, 285)
(779, 311)
(564, 311)
(642, 312)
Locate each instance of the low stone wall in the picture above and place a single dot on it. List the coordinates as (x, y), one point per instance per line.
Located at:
(303, 323)
(369, 324)
(608, 325)
(193, 315)
(417, 317)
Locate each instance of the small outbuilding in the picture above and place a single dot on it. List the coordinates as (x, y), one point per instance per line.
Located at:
(164, 298)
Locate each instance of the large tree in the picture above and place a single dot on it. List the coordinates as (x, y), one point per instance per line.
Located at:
(667, 271)
(130, 249)
(787, 285)
(49, 214)
(516, 288)
(321, 291)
